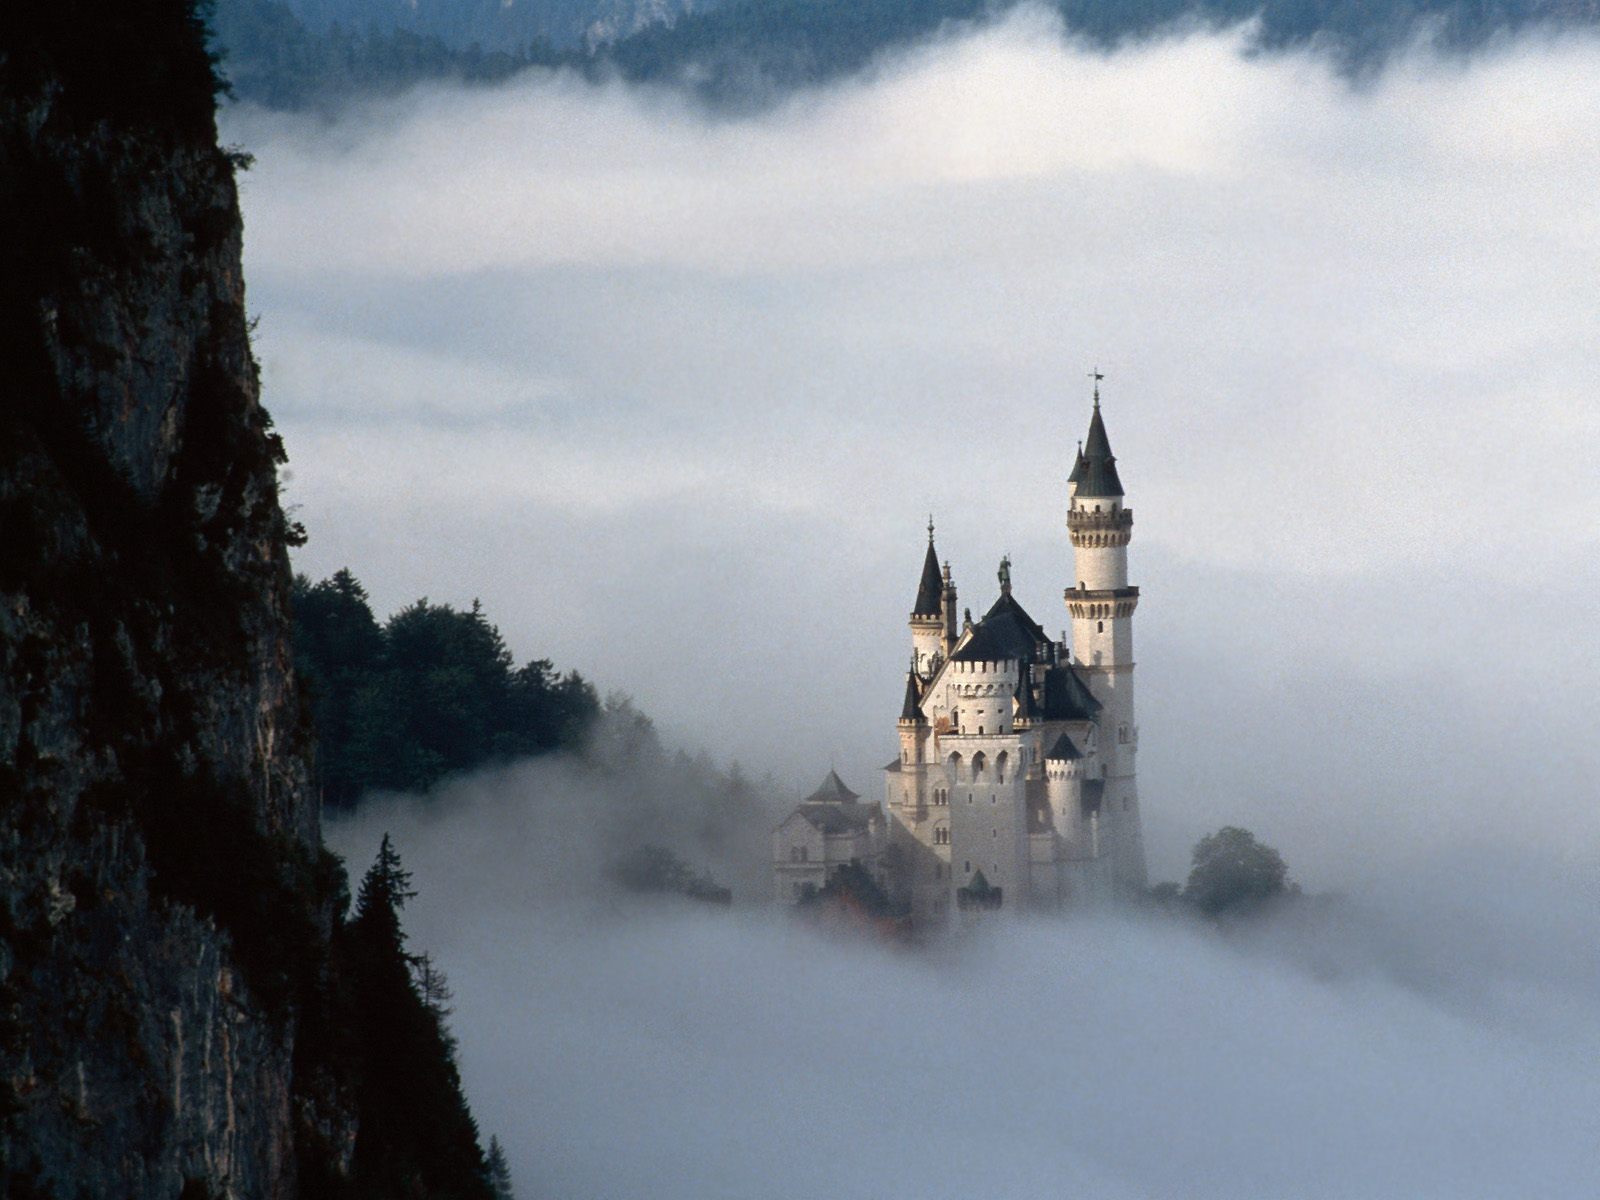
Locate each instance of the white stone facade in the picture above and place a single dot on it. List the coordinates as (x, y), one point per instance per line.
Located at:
(1015, 784)
(1017, 752)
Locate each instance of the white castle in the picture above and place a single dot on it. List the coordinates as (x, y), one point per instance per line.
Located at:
(1015, 783)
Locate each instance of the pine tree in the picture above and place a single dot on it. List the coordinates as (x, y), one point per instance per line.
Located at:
(499, 1171)
(414, 1132)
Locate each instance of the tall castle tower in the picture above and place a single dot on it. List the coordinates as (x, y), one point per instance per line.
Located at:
(1101, 606)
(1014, 785)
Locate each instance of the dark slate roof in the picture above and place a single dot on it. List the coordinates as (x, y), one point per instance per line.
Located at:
(840, 818)
(909, 710)
(980, 883)
(1096, 472)
(1066, 697)
(832, 791)
(931, 588)
(1078, 467)
(1064, 750)
(1006, 632)
(894, 766)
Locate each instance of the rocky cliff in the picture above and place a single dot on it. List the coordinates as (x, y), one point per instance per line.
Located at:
(164, 900)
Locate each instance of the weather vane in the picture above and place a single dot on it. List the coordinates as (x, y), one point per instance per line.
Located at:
(1097, 377)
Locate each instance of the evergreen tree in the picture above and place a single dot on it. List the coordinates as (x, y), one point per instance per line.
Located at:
(499, 1171)
(431, 691)
(415, 1134)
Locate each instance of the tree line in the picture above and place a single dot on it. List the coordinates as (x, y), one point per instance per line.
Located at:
(748, 51)
(430, 691)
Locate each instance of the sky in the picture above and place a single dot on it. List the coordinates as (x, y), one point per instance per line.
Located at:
(674, 394)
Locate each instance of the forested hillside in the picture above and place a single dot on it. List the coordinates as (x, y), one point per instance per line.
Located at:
(432, 690)
(185, 1008)
(750, 51)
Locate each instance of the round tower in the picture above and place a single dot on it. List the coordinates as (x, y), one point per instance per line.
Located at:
(1101, 604)
(928, 617)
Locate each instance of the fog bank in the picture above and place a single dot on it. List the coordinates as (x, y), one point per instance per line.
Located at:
(674, 397)
(1432, 1037)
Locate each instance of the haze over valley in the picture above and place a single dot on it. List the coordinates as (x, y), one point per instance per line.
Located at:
(673, 393)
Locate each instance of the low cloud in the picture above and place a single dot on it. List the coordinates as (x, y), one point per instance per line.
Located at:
(1433, 1037)
(674, 393)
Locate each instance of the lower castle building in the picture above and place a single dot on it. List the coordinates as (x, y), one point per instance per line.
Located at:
(1015, 783)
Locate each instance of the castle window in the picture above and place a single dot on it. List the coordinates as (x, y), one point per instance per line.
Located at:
(980, 730)
(968, 865)
(941, 835)
(1100, 627)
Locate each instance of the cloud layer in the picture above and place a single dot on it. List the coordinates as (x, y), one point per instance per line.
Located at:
(674, 394)
(1435, 1038)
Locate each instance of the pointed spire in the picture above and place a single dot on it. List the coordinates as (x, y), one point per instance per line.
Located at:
(911, 710)
(932, 582)
(1096, 470)
(1063, 750)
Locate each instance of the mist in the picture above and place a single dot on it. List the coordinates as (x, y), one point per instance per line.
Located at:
(1433, 1037)
(673, 393)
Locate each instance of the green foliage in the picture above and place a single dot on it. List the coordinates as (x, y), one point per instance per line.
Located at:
(1232, 872)
(415, 1135)
(430, 692)
(747, 51)
(270, 58)
(853, 887)
(655, 870)
(499, 1171)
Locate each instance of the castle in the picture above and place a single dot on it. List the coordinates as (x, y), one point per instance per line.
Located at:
(1015, 783)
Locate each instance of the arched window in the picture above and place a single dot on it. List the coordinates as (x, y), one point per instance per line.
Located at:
(1100, 627)
(953, 766)
(978, 761)
(941, 835)
(1000, 765)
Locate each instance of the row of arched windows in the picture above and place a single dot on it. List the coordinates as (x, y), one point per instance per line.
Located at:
(980, 764)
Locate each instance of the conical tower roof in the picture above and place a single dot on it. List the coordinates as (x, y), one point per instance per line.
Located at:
(910, 710)
(1096, 470)
(832, 791)
(931, 586)
(1063, 750)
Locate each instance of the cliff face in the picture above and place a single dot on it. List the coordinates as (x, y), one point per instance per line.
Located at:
(163, 896)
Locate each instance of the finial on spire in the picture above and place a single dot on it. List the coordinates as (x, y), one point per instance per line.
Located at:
(1097, 377)
(930, 529)
(1005, 575)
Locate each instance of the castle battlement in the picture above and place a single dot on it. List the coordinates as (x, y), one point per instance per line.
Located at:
(1014, 787)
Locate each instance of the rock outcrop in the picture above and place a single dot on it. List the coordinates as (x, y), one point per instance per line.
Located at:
(164, 899)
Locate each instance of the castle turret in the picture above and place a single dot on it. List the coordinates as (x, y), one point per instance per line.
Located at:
(928, 618)
(1101, 606)
(912, 725)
